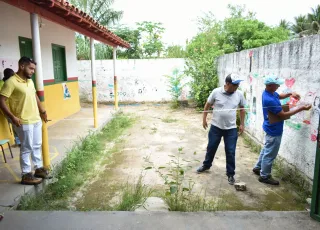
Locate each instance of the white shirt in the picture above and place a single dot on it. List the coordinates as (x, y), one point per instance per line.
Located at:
(224, 107)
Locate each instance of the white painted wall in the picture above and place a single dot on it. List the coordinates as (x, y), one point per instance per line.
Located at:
(298, 62)
(15, 22)
(139, 80)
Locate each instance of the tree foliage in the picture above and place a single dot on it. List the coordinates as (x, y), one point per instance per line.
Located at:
(241, 30)
(307, 24)
(152, 34)
(100, 10)
(175, 51)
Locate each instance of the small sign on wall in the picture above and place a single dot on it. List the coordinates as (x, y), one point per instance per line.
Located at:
(66, 92)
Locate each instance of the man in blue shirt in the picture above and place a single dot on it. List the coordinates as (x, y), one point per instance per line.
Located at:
(271, 103)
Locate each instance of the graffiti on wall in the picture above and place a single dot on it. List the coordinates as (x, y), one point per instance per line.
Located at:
(138, 80)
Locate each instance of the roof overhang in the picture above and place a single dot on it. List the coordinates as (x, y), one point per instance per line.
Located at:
(67, 15)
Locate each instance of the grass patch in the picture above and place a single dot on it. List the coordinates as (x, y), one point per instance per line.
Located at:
(289, 173)
(133, 196)
(168, 120)
(184, 201)
(72, 172)
(254, 147)
(153, 130)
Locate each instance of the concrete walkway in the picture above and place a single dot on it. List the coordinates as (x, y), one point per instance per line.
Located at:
(156, 220)
(62, 136)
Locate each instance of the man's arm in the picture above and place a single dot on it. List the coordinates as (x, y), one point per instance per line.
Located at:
(3, 106)
(284, 115)
(42, 111)
(205, 114)
(242, 118)
(285, 95)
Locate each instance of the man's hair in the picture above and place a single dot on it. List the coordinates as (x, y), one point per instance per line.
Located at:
(228, 79)
(26, 61)
(7, 74)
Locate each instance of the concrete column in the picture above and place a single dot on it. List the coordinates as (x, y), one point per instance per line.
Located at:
(115, 78)
(39, 84)
(94, 82)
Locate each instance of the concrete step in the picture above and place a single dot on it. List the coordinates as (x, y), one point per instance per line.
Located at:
(246, 220)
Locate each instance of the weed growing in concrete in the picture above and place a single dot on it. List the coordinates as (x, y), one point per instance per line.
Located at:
(71, 173)
(179, 195)
(168, 120)
(153, 130)
(133, 196)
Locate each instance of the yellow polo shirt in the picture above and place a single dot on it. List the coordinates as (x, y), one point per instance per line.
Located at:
(22, 99)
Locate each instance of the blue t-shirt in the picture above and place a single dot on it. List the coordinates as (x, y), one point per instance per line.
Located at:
(271, 102)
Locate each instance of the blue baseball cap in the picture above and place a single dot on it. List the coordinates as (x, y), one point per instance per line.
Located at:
(269, 80)
(234, 79)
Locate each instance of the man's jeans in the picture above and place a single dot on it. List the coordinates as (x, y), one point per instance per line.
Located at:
(268, 154)
(31, 141)
(230, 137)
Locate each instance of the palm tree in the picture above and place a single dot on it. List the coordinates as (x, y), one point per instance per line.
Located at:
(284, 24)
(301, 25)
(100, 10)
(314, 20)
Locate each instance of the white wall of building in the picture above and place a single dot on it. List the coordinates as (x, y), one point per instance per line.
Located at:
(139, 80)
(16, 22)
(298, 62)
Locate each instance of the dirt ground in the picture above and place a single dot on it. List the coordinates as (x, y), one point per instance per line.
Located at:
(156, 136)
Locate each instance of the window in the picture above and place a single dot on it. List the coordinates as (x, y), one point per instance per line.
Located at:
(25, 45)
(59, 63)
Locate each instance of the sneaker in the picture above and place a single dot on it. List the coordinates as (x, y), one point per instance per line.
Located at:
(42, 173)
(231, 180)
(29, 179)
(256, 171)
(268, 180)
(202, 169)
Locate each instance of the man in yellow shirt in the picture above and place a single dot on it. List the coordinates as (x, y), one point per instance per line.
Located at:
(25, 111)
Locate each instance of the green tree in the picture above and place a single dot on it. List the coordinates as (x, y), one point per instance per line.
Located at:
(285, 24)
(100, 10)
(132, 36)
(152, 43)
(241, 30)
(102, 51)
(300, 25)
(314, 20)
(175, 51)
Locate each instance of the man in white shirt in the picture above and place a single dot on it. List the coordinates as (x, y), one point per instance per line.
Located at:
(225, 101)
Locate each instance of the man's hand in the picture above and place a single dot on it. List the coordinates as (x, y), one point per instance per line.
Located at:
(241, 129)
(306, 107)
(205, 124)
(16, 121)
(44, 116)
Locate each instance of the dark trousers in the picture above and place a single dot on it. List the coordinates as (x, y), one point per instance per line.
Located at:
(230, 137)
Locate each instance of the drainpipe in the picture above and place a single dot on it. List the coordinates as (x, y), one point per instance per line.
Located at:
(315, 201)
(39, 84)
(94, 82)
(115, 78)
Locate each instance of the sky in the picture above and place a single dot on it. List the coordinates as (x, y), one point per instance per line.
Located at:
(179, 16)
